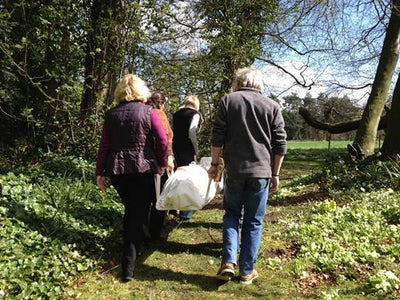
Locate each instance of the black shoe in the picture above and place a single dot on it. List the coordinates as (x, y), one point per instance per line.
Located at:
(126, 278)
(360, 152)
(128, 266)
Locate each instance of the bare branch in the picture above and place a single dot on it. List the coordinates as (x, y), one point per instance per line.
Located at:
(348, 87)
(303, 84)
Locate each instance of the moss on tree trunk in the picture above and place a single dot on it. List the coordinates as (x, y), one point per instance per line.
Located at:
(367, 130)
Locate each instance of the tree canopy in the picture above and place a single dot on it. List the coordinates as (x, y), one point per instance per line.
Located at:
(60, 60)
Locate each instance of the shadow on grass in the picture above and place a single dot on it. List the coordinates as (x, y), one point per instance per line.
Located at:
(151, 273)
(298, 199)
(144, 272)
(169, 247)
(87, 243)
(195, 224)
(216, 203)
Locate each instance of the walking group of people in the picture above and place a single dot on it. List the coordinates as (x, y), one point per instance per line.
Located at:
(137, 142)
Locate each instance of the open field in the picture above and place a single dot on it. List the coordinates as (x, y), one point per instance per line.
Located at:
(317, 144)
(323, 144)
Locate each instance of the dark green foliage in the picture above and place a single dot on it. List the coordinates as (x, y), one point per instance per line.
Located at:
(341, 173)
(55, 225)
(42, 58)
(326, 109)
(235, 34)
(392, 215)
(59, 65)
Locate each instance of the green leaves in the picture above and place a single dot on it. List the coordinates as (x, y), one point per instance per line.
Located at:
(383, 282)
(355, 234)
(54, 227)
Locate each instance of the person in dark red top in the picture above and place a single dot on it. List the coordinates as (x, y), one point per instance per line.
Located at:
(132, 149)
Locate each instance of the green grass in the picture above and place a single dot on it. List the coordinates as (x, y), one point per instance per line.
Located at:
(64, 238)
(301, 161)
(296, 145)
(184, 266)
(317, 144)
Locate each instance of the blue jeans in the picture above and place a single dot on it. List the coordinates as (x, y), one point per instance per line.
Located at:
(186, 214)
(249, 194)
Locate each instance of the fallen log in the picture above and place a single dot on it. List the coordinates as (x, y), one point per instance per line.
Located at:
(336, 127)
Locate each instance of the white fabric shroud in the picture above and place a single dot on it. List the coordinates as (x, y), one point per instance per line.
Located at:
(188, 188)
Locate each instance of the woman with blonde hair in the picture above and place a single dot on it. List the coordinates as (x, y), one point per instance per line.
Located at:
(133, 147)
(186, 124)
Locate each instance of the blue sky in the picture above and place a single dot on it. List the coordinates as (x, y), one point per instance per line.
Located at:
(352, 30)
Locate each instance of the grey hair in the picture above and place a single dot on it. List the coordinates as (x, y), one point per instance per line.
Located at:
(249, 77)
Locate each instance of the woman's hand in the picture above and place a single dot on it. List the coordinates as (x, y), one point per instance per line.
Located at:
(101, 182)
(160, 170)
(170, 163)
(213, 172)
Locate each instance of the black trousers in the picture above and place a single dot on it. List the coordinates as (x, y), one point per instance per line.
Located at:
(184, 158)
(156, 217)
(136, 192)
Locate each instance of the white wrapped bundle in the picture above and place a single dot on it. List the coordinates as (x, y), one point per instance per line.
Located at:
(189, 188)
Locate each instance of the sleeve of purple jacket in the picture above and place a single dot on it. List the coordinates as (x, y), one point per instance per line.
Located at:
(161, 139)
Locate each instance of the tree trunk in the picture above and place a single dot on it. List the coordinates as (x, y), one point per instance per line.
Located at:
(391, 143)
(88, 99)
(367, 131)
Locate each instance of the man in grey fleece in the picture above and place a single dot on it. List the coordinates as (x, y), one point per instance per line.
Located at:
(249, 131)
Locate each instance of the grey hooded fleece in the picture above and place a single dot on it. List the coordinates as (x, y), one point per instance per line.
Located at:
(250, 128)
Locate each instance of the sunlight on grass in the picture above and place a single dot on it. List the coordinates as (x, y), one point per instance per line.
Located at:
(301, 256)
(317, 144)
(184, 266)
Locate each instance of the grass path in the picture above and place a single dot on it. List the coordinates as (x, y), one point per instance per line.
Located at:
(61, 236)
(184, 266)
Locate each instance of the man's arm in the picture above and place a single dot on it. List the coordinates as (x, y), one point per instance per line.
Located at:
(215, 153)
(276, 169)
(218, 136)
